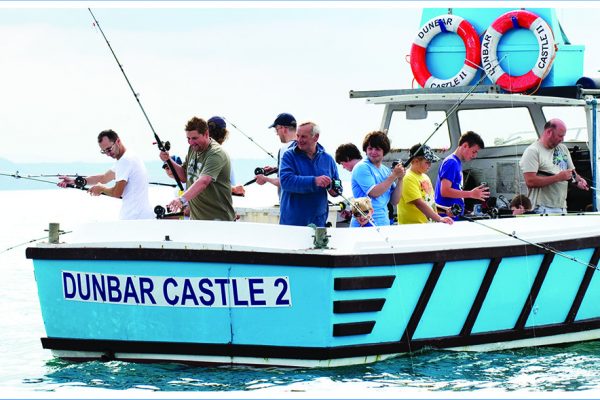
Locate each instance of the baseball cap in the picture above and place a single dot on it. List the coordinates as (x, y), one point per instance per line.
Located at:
(175, 159)
(218, 121)
(284, 119)
(424, 151)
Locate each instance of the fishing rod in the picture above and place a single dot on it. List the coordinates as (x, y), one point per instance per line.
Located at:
(538, 245)
(261, 171)
(52, 175)
(80, 182)
(163, 184)
(250, 138)
(77, 184)
(162, 146)
(31, 241)
(450, 112)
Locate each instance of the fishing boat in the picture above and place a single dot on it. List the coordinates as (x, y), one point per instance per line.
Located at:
(213, 292)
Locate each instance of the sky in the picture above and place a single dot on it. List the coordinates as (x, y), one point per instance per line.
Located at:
(247, 61)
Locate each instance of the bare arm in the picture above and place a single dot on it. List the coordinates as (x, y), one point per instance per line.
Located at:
(164, 156)
(533, 180)
(429, 213)
(261, 180)
(197, 187)
(115, 191)
(90, 180)
(382, 187)
(481, 192)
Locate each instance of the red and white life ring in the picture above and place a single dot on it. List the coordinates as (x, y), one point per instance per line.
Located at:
(445, 23)
(546, 50)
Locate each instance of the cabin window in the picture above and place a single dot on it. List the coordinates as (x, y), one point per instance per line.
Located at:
(404, 132)
(499, 126)
(574, 118)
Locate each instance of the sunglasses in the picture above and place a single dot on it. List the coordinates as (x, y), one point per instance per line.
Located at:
(361, 213)
(108, 149)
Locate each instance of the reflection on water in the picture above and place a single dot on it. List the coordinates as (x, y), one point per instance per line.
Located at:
(560, 368)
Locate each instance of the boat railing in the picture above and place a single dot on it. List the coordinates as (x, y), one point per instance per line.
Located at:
(570, 92)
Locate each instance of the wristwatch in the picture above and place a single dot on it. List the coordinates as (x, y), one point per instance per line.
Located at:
(183, 201)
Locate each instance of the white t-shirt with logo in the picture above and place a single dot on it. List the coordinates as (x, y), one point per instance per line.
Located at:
(135, 203)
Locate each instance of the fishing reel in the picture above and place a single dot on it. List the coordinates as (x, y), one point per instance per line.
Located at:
(164, 146)
(336, 186)
(456, 209)
(80, 182)
(394, 163)
(160, 212)
(265, 171)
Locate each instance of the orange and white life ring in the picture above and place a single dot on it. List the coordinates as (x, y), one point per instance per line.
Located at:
(546, 50)
(445, 23)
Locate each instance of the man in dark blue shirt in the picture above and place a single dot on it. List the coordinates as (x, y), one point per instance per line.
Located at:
(307, 173)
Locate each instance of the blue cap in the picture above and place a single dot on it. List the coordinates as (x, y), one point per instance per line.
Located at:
(284, 119)
(175, 159)
(218, 121)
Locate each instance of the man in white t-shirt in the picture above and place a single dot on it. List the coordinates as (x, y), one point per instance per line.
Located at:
(129, 173)
(547, 168)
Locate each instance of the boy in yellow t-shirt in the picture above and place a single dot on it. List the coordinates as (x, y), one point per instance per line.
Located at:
(417, 203)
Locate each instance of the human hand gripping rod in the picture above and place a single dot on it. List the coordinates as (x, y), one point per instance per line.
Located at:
(162, 146)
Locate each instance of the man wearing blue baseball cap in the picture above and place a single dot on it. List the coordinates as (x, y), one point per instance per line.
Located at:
(285, 128)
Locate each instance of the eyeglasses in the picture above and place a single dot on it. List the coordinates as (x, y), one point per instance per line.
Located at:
(108, 149)
(360, 213)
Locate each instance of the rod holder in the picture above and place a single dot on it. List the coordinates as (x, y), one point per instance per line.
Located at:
(53, 232)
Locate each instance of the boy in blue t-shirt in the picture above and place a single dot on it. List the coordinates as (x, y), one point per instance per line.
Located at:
(448, 187)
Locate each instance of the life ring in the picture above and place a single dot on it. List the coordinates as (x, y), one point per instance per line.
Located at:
(445, 23)
(546, 50)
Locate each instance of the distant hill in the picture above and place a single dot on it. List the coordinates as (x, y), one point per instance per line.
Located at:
(243, 171)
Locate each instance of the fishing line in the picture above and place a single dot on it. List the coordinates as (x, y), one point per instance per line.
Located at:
(30, 241)
(250, 138)
(162, 146)
(452, 110)
(538, 245)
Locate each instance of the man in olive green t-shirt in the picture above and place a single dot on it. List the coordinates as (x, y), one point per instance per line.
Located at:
(206, 171)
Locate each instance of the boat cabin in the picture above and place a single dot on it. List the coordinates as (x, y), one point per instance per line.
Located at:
(507, 123)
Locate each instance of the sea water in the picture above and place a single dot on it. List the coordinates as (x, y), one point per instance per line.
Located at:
(27, 370)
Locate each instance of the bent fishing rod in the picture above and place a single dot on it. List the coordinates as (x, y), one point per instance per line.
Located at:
(249, 138)
(162, 146)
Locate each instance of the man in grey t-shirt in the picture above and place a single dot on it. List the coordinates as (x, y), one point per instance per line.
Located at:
(547, 168)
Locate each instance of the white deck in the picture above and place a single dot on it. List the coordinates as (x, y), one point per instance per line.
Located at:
(247, 236)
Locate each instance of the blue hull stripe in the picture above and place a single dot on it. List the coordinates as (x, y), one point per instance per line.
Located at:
(585, 283)
(415, 318)
(535, 290)
(481, 295)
